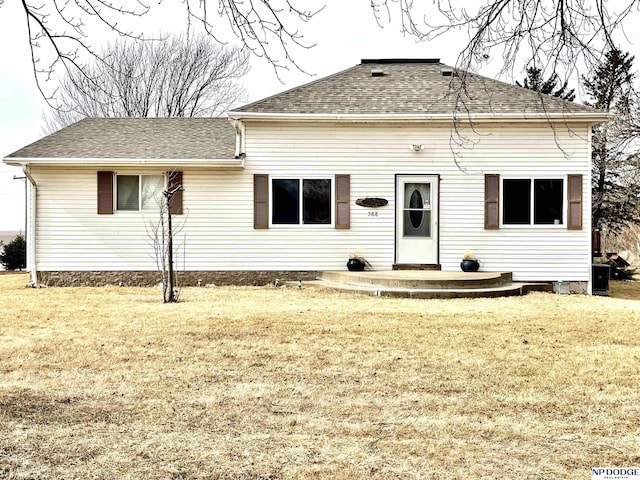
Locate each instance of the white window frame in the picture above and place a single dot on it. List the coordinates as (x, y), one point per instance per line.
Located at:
(301, 223)
(562, 225)
(139, 175)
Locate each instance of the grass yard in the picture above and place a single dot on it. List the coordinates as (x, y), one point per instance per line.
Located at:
(263, 383)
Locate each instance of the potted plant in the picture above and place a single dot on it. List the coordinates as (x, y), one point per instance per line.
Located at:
(469, 262)
(356, 262)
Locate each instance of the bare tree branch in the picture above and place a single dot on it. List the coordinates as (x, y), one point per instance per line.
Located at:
(57, 32)
(558, 36)
(60, 31)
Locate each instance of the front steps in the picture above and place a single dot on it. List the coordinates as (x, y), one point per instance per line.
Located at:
(428, 284)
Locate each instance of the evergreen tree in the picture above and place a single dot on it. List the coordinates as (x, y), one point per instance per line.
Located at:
(14, 254)
(616, 163)
(535, 81)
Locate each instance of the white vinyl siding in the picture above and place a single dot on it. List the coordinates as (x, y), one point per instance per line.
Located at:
(218, 231)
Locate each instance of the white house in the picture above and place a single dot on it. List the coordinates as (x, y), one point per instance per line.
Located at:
(272, 190)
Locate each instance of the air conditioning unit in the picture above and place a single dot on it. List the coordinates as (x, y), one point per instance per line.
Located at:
(600, 275)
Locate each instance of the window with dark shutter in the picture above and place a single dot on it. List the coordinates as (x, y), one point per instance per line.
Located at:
(174, 180)
(300, 201)
(260, 201)
(574, 203)
(105, 193)
(491, 202)
(343, 197)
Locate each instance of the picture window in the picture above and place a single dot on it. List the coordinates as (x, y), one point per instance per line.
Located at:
(533, 201)
(301, 201)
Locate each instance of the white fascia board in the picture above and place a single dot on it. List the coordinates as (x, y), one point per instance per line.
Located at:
(191, 163)
(592, 118)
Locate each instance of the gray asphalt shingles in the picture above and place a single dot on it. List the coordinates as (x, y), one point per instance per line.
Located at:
(409, 88)
(146, 138)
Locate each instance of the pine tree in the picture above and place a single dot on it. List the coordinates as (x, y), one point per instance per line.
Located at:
(14, 254)
(535, 81)
(616, 164)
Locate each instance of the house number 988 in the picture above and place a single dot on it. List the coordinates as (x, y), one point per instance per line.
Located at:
(372, 214)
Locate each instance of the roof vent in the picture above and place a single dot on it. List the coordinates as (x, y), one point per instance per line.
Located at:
(377, 72)
(447, 72)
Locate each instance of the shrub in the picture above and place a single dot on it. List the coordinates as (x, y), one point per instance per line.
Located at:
(14, 254)
(623, 273)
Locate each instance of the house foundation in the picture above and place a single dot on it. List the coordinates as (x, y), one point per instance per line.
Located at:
(152, 278)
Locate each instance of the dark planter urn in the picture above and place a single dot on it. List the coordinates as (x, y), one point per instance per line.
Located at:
(469, 265)
(355, 265)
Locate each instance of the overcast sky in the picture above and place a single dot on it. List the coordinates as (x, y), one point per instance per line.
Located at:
(343, 34)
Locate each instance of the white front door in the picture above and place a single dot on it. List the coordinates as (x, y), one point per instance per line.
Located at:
(417, 219)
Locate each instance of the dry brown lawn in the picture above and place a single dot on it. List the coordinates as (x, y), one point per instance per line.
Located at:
(263, 383)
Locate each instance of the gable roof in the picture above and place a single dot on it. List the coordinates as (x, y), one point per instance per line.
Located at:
(135, 138)
(410, 87)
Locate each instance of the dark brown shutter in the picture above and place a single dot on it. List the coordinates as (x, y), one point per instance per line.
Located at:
(491, 202)
(174, 179)
(343, 198)
(105, 193)
(260, 201)
(574, 194)
(596, 242)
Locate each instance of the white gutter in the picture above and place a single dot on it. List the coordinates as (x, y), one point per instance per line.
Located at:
(31, 249)
(588, 117)
(193, 163)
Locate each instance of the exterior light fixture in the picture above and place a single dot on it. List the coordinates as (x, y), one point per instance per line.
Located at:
(416, 147)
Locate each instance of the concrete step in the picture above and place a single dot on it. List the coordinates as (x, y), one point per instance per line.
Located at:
(418, 280)
(506, 290)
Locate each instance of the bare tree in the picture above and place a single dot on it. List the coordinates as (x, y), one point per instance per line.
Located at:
(181, 77)
(60, 31)
(162, 234)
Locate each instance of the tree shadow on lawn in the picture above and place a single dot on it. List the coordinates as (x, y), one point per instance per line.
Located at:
(626, 290)
(30, 407)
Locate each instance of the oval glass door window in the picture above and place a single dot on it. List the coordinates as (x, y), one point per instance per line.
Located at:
(417, 212)
(416, 216)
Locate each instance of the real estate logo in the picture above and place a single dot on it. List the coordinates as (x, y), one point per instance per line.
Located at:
(615, 473)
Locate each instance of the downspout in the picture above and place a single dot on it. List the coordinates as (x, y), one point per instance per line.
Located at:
(31, 245)
(240, 139)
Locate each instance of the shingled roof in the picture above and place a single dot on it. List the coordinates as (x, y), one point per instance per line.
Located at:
(409, 86)
(137, 138)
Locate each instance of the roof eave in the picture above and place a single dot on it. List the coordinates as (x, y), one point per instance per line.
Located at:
(583, 117)
(191, 163)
